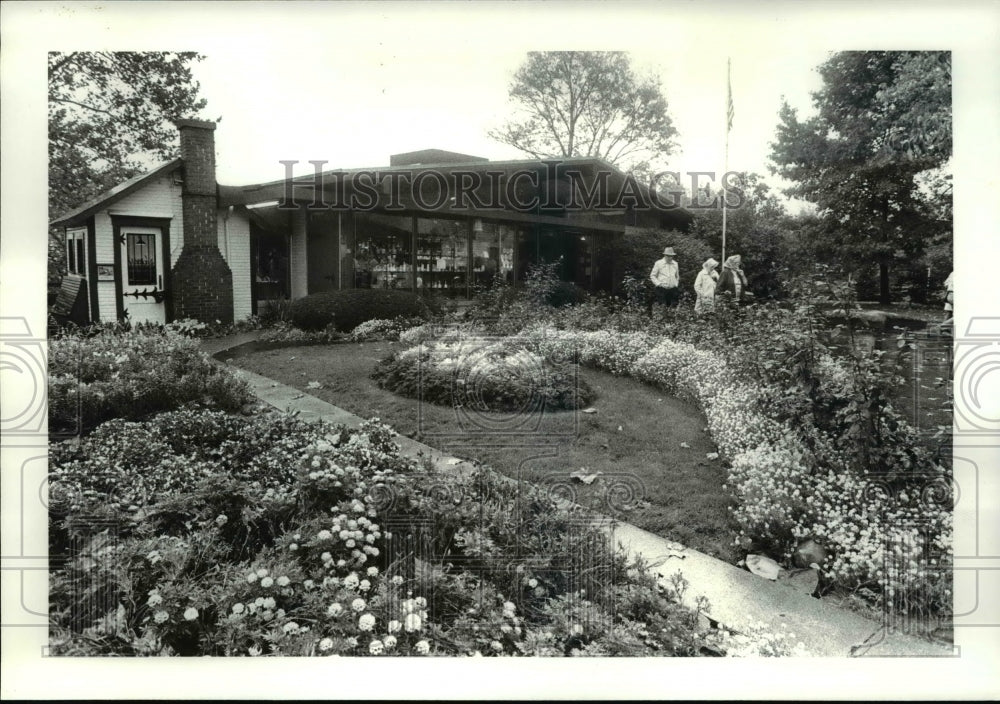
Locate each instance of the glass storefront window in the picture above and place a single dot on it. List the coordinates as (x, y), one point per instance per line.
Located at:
(443, 256)
(384, 256)
(492, 253)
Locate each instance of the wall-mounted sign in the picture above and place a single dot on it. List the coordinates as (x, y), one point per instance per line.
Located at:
(105, 272)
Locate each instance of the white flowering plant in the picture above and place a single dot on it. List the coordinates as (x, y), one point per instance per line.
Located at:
(483, 373)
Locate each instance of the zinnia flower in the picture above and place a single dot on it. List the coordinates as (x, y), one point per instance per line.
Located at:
(373, 571)
(366, 622)
(358, 605)
(190, 614)
(238, 608)
(266, 582)
(326, 644)
(390, 642)
(422, 647)
(375, 647)
(365, 585)
(283, 581)
(154, 599)
(334, 610)
(394, 626)
(161, 616)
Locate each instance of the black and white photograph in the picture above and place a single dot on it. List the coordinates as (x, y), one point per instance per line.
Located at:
(458, 337)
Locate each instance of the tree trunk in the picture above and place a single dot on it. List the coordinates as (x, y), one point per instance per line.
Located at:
(883, 283)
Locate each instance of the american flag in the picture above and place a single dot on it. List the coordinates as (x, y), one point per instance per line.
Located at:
(729, 100)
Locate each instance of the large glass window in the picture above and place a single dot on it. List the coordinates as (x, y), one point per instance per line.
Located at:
(384, 256)
(443, 256)
(492, 253)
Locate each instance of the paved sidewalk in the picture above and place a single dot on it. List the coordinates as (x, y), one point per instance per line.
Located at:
(736, 597)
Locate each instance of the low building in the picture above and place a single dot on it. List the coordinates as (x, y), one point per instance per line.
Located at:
(173, 243)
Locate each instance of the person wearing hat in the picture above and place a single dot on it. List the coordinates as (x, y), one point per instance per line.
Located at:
(666, 279)
(733, 281)
(704, 287)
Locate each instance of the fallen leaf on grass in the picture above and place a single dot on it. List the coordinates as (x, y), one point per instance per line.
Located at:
(298, 396)
(314, 385)
(454, 460)
(589, 410)
(803, 580)
(684, 444)
(712, 455)
(584, 476)
(620, 429)
(763, 567)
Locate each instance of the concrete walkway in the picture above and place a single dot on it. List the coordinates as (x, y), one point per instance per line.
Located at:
(736, 597)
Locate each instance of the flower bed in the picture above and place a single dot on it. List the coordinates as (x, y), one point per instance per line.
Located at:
(790, 486)
(131, 374)
(485, 375)
(213, 534)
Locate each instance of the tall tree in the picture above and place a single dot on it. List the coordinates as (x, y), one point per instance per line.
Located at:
(587, 103)
(109, 116)
(883, 118)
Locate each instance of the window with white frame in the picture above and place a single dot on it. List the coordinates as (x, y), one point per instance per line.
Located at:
(76, 252)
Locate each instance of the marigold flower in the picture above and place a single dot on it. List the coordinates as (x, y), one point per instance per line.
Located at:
(412, 623)
(373, 571)
(375, 647)
(366, 622)
(190, 614)
(238, 608)
(325, 645)
(358, 605)
(334, 610)
(394, 626)
(266, 582)
(161, 616)
(283, 581)
(422, 647)
(154, 599)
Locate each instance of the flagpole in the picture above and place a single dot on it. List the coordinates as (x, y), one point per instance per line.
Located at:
(729, 113)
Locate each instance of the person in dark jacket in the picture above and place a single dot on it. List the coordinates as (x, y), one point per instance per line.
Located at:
(732, 280)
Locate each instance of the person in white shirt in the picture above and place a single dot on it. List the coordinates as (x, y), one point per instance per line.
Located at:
(704, 287)
(666, 279)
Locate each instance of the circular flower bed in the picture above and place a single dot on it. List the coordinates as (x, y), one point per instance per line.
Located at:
(483, 375)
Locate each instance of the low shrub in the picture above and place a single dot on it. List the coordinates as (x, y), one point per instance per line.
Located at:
(109, 373)
(379, 329)
(349, 308)
(482, 374)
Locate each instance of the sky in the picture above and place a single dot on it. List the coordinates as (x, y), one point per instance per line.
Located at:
(354, 102)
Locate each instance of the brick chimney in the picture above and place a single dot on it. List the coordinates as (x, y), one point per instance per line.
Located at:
(202, 281)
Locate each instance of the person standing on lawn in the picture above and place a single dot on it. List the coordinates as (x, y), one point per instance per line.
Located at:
(733, 281)
(666, 279)
(704, 287)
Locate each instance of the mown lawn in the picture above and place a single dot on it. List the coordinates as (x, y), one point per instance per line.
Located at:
(634, 439)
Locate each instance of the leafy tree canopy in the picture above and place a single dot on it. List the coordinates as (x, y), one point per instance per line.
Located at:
(883, 119)
(109, 118)
(587, 103)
